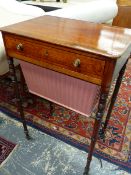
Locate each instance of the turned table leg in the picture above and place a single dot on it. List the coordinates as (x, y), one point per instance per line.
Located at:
(113, 99)
(22, 81)
(99, 115)
(18, 96)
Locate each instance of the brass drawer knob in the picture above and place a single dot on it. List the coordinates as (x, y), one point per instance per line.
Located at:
(20, 47)
(76, 63)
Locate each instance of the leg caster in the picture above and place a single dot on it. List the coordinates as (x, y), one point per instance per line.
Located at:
(27, 135)
(86, 171)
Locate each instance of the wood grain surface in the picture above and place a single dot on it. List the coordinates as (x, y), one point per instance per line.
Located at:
(75, 34)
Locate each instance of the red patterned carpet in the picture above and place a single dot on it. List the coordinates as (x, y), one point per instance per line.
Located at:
(76, 129)
(6, 148)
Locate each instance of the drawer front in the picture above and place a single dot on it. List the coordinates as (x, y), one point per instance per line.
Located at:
(42, 53)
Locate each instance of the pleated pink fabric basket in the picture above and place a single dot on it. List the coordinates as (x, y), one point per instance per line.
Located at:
(75, 94)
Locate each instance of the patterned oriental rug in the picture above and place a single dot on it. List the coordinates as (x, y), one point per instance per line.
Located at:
(6, 149)
(76, 129)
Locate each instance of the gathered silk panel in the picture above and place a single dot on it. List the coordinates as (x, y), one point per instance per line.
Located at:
(72, 93)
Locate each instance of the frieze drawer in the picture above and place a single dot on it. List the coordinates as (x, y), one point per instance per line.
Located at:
(46, 55)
